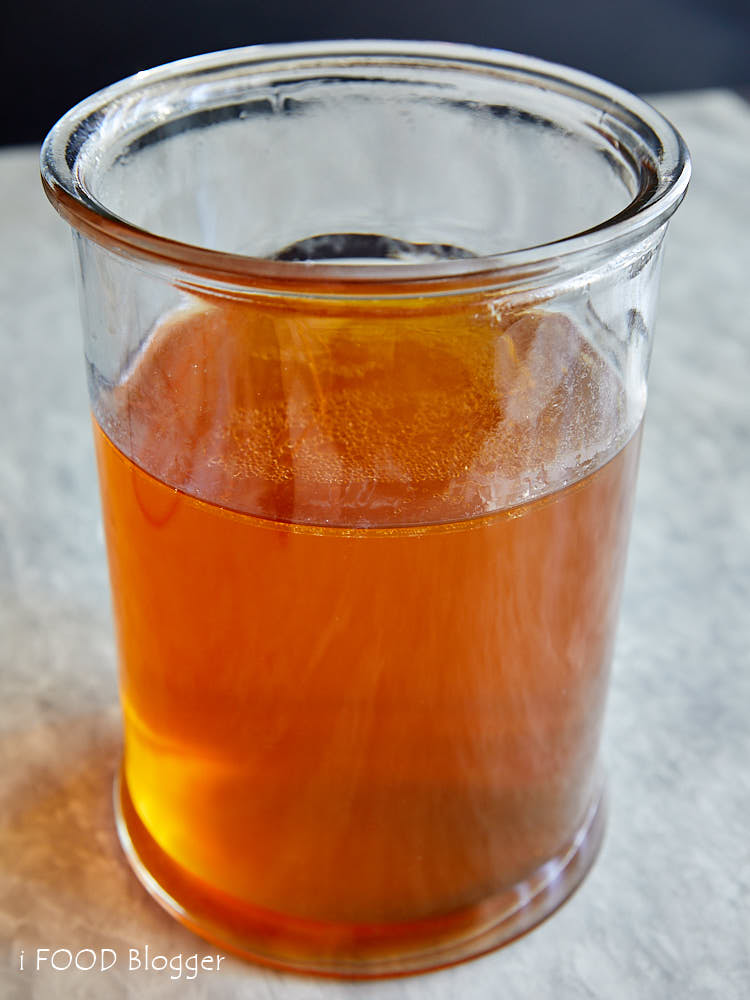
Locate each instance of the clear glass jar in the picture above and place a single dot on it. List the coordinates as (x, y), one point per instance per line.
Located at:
(367, 331)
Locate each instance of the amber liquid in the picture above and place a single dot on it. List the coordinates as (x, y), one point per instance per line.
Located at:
(357, 705)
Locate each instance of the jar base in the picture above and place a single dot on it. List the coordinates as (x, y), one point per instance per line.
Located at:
(362, 951)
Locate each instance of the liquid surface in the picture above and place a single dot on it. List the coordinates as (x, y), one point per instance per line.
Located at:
(350, 694)
(392, 418)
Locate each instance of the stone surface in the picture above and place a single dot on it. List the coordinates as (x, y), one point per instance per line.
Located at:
(665, 912)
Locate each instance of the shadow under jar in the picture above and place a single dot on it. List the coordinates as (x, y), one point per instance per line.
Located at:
(367, 330)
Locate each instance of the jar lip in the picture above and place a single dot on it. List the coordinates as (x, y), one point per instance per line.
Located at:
(653, 205)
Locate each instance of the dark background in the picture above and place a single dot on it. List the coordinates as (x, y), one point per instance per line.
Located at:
(53, 55)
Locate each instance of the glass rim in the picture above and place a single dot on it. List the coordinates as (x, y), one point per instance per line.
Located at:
(647, 210)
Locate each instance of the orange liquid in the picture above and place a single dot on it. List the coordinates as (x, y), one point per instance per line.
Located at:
(357, 704)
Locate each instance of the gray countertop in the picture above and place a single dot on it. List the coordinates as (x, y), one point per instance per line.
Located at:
(666, 911)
